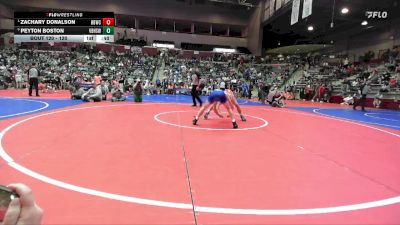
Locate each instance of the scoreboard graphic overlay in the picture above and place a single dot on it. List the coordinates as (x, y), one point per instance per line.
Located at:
(64, 27)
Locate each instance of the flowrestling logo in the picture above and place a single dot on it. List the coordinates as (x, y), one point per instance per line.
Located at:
(376, 14)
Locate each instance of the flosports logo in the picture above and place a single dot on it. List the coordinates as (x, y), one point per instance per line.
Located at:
(376, 14)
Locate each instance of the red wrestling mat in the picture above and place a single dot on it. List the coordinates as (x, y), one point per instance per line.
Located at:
(124, 164)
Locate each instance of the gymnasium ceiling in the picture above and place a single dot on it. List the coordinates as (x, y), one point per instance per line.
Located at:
(277, 30)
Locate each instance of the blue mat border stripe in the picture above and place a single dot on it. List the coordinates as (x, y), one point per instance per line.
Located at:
(9, 106)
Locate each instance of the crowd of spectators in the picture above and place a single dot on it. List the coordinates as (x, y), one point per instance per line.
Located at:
(76, 69)
(322, 80)
(87, 73)
(245, 74)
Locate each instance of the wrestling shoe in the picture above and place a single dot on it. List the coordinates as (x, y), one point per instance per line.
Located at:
(195, 121)
(235, 126)
(206, 115)
(243, 118)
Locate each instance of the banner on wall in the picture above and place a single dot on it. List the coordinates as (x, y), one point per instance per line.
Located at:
(278, 4)
(266, 14)
(295, 12)
(307, 8)
(271, 7)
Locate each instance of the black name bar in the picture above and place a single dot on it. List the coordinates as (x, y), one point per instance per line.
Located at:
(59, 30)
(58, 22)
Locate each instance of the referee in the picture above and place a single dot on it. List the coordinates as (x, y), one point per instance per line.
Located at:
(195, 92)
(364, 89)
(33, 76)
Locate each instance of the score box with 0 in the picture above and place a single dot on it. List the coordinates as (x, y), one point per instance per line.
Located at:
(108, 21)
(108, 30)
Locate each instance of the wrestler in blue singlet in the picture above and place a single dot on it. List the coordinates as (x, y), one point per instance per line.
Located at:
(217, 96)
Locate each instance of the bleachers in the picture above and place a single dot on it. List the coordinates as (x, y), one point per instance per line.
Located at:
(173, 68)
(348, 85)
(69, 64)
